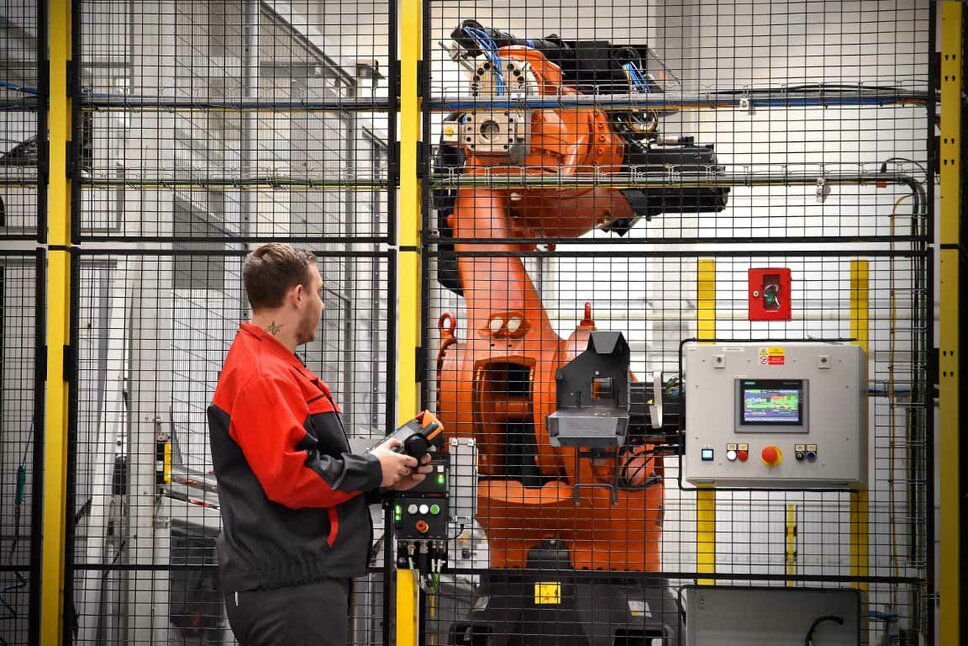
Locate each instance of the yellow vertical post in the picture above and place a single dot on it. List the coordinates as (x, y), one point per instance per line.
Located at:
(58, 330)
(408, 274)
(706, 498)
(859, 504)
(950, 323)
(791, 542)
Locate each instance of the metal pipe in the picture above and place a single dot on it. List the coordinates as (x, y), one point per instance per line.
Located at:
(531, 177)
(751, 99)
(644, 314)
(247, 103)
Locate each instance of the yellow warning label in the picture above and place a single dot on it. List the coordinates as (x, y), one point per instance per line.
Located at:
(772, 356)
(547, 592)
(167, 462)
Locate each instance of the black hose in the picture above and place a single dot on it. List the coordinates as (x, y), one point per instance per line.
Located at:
(808, 641)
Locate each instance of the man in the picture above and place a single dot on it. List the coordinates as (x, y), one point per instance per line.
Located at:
(295, 522)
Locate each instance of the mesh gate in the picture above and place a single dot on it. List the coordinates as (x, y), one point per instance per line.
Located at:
(23, 50)
(629, 167)
(21, 418)
(201, 130)
(23, 43)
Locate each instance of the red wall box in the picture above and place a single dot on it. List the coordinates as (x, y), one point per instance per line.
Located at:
(769, 294)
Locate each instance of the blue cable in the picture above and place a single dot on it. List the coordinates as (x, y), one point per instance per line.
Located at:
(636, 77)
(489, 49)
(6, 85)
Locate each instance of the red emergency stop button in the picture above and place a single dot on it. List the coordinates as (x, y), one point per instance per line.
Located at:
(422, 526)
(771, 456)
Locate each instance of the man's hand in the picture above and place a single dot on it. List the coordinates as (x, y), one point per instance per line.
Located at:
(395, 466)
(415, 478)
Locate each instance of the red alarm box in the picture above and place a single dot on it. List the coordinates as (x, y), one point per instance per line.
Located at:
(769, 294)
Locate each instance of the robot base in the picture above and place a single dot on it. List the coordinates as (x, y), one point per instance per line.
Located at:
(544, 606)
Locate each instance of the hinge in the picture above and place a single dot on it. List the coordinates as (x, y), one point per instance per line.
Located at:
(395, 164)
(420, 364)
(70, 364)
(397, 70)
(72, 80)
(69, 156)
(421, 72)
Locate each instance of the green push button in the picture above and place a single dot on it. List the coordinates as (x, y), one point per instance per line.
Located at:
(434, 509)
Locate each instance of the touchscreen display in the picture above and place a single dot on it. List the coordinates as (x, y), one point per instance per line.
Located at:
(770, 403)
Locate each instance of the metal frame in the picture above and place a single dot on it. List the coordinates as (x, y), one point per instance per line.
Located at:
(706, 498)
(914, 245)
(52, 427)
(951, 473)
(409, 327)
(58, 328)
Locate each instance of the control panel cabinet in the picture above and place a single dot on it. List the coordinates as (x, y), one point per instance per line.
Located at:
(775, 416)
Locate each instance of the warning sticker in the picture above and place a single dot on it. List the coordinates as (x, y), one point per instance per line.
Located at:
(547, 592)
(772, 356)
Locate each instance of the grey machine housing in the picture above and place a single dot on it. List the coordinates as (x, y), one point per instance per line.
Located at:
(823, 446)
(758, 616)
(593, 395)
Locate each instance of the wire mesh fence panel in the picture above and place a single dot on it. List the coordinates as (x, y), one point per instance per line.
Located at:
(751, 175)
(152, 335)
(261, 119)
(22, 52)
(657, 118)
(21, 415)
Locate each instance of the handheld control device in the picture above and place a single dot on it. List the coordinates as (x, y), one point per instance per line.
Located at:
(423, 434)
(421, 515)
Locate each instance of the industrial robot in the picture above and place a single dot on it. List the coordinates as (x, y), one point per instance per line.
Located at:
(560, 509)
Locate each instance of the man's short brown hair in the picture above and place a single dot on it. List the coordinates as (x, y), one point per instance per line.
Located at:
(272, 270)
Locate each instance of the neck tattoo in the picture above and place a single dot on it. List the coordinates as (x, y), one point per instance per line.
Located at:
(273, 329)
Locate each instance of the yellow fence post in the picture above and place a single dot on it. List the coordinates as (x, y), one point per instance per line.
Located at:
(859, 504)
(948, 436)
(706, 498)
(408, 275)
(58, 330)
(791, 543)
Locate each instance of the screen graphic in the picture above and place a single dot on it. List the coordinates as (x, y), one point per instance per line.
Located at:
(771, 405)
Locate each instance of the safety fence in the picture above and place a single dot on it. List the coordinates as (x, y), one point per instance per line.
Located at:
(22, 95)
(732, 183)
(23, 168)
(21, 415)
(199, 131)
(750, 175)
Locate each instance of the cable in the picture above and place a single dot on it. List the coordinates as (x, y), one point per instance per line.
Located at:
(902, 159)
(892, 397)
(459, 532)
(808, 641)
(490, 50)
(20, 497)
(636, 77)
(7, 85)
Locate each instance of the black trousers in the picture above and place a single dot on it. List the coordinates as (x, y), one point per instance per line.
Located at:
(314, 614)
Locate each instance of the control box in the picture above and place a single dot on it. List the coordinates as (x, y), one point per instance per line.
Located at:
(420, 518)
(745, 616)
(420, 526)
(775, 415)
(769, 294)
(436, 482)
